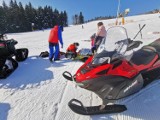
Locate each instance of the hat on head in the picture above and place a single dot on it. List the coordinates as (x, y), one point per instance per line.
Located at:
(76, 43)
(100, 23)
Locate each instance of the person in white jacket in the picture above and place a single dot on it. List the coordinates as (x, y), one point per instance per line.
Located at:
(101, 33)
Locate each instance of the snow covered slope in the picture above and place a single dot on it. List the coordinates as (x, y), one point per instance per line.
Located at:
(37, 90)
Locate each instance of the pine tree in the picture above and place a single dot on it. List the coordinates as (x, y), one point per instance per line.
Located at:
(4, 22)
(76, 19)
(22, 20)
(81, 18)
(65, 19)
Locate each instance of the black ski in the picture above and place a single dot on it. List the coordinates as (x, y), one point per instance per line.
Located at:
(95, 110)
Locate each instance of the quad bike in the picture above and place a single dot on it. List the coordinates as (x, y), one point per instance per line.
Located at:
(113, 75)
(10, 56)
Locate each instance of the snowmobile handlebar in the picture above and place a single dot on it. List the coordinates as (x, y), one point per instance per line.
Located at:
(11, 41)
(3, 37)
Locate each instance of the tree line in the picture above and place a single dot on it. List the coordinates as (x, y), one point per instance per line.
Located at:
(153, 11)
(101, 18)
(16, 18)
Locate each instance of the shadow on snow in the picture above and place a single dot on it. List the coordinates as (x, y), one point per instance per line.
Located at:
(30, 73)
(4, 108)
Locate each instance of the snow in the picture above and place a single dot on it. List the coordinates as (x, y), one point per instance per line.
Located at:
(38, 91)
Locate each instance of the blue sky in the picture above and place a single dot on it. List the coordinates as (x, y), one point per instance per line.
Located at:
(94, 8)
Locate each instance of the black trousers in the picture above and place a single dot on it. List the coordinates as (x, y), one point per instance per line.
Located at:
(98, 41)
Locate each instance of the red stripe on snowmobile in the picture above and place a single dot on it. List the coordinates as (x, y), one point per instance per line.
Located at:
(2, 45)
(156, 65)
(143, 67)
(124, 70)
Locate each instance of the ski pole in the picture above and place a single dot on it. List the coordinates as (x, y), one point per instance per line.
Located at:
(139, 31)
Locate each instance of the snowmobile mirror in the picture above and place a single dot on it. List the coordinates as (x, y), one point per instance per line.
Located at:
(67, 75)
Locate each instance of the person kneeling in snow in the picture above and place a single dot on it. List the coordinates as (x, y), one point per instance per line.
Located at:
(71, 50)
(93, 47)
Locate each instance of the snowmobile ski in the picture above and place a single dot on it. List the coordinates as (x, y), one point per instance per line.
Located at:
(95, 110)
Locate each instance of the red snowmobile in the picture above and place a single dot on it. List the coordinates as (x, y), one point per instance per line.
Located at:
(112, 74)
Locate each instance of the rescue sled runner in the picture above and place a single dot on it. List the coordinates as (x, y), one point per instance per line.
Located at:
(10, 56)
(112, 74)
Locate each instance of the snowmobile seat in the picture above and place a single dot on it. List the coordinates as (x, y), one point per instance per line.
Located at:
(143, 56)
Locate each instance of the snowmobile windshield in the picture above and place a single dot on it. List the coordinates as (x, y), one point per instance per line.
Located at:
(114, 45)
(116, 40)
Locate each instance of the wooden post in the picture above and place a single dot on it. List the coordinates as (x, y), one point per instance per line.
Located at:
(123, 21)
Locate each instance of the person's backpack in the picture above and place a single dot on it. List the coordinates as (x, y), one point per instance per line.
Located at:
(44, 54)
